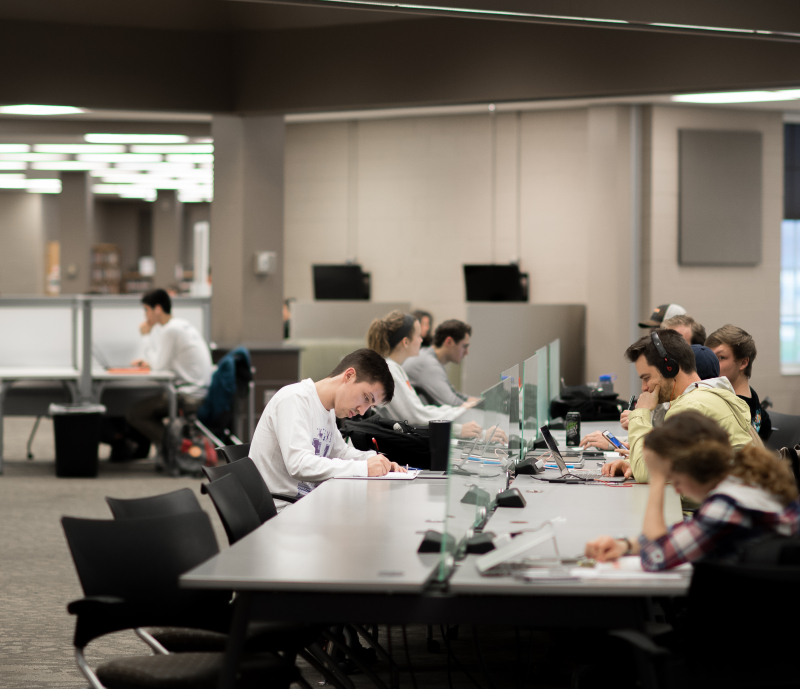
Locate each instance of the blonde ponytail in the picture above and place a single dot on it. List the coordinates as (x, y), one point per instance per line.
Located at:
(383, 330)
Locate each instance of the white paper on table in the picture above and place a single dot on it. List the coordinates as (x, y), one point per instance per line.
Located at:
(629, 567)
(391, 476)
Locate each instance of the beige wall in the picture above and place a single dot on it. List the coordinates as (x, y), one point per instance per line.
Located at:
(22, 240)
(747, 297)
(424, 208)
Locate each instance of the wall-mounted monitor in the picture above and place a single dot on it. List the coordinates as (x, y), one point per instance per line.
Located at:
(341, 282)
(495, 283)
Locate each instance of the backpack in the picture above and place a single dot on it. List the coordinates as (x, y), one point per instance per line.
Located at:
(187, 450)
(400, 441)
(591, 404)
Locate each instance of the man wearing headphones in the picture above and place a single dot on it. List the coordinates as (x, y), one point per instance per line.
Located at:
(666, 366)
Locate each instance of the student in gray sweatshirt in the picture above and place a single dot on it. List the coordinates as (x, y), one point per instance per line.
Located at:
(427, 372)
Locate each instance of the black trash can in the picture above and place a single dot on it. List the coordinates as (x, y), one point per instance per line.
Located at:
(76, 428)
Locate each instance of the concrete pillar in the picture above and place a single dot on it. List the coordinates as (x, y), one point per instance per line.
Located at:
(246, 217)
(167, 233)
(608, 233)
(76, 230)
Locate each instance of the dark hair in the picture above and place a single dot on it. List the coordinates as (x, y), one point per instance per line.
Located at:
(158, 297)
(698, 331)
(677, 348)
(458, 330)
(740, 342)
(370, 367)
(699, 447)
(386, 333)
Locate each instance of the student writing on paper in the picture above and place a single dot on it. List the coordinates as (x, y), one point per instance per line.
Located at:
(297, 445)
(744, 495)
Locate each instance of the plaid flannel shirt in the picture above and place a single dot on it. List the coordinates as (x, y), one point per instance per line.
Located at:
(720, 526)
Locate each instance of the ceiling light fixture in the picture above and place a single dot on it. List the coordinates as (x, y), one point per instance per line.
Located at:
(136, 138)
(14, 148)
(186, 148)
(32, 157)
(40, 110)
(77, 148)
(120, 157)
(70, 166)
(190, 158)
(739, 96)
(8, 165)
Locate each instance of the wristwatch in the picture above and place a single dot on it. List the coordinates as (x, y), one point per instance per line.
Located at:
(627, 543)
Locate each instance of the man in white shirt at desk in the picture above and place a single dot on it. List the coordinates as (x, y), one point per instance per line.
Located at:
(179, 348)
(297, 444)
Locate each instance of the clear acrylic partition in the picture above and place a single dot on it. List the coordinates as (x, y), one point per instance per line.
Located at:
(115, 326)
(530, 394)
(39, 332)
(554, 365)
(512, 378)
(478, 469)
(543, 393)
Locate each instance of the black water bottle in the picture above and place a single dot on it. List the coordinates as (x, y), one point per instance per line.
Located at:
(439, 439)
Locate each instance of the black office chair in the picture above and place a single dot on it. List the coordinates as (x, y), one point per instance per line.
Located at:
(181, 501)
(424, 396)
(233, 506)
(253, 483)
(785, 431)
(129, 572)
(231, 453)
(736, 633)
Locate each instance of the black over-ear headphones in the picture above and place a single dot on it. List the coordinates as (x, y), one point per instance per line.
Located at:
(667, 365)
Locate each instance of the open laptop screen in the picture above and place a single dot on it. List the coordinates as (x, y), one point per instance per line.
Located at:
(553, 447)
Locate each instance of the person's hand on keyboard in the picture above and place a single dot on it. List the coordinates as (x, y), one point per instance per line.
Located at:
(619, 467)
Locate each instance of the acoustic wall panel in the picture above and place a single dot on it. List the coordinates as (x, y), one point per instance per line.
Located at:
(719, 198)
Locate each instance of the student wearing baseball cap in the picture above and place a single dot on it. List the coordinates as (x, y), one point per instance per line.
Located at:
(662, 313)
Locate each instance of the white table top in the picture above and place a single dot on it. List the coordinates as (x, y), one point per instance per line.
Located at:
(39, 373)
(357, 536)
(579, 513)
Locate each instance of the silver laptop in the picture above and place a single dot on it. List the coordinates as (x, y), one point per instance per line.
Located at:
(583, 474)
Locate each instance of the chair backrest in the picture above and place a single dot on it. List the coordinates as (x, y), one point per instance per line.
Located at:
(181, 501)
(141, 557)
(424, 396)
(232, 453)
(785, 431)
(738, 611)
(253, 483)
(233, 506)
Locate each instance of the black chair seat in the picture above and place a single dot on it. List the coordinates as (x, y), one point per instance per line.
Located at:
(192, 671)
(275, 636)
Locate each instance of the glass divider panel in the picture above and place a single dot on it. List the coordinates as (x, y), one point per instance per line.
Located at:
(554, 366)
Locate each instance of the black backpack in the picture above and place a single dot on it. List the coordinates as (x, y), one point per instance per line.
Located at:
(400, 441)
(591, 404)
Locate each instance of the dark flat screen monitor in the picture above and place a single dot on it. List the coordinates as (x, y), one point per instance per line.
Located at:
(495, 283)
(343, 282)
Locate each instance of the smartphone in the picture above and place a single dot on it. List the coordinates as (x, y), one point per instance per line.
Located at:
(616, 442)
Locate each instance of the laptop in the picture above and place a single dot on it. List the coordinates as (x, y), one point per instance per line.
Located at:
(582, 475)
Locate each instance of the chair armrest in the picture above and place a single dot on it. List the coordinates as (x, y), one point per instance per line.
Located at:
(94, 604)
(640, 642)
(285, 498)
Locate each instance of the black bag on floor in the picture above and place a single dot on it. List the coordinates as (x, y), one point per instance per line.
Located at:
(398, 440)
(187, 449)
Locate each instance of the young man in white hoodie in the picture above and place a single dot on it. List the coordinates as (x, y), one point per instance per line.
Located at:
(669, 376)
(297, 445)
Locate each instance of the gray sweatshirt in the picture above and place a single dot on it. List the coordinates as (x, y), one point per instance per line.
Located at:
(425, 372)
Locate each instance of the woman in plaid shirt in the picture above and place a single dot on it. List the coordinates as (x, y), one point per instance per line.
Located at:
(744, 495)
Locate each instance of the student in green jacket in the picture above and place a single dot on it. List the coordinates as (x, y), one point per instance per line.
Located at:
(666, 366)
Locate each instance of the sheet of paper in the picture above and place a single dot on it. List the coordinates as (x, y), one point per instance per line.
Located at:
(391, 476)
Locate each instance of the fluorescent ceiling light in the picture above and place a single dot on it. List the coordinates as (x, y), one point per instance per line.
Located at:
(120, 157)
(32, 157)
(40, 110)
(7, 165)
(157, 182)
(739, 96)
(14, 148)
(70, 165)
(207, 140)
(77, 148)
(191, 158)
(12, 176)
(52, 186)
(188, 148)
(162, 168)
(136, 138)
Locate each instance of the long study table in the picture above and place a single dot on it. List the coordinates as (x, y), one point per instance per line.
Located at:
(347, 552)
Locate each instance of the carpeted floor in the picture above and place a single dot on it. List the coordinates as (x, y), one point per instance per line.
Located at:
(37, 580)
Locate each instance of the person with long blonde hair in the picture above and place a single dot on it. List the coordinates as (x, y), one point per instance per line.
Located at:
(744, 495)
(397, 337)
